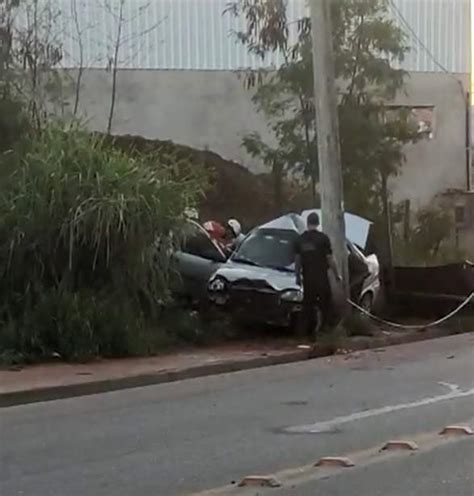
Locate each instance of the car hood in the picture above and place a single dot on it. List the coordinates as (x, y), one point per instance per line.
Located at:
(257, 277)
(357, 228)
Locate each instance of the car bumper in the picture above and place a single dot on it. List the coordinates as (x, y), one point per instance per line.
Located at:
(258, 307)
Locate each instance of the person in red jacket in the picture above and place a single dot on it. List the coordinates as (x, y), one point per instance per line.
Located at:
(216, 232)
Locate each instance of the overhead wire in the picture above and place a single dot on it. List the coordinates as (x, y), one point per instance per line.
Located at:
(417, 38)
(464, 94)
(423, 45)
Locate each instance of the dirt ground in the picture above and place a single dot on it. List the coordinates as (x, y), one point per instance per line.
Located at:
(233, 190)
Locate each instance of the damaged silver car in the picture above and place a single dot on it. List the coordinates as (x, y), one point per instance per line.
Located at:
(258, 282)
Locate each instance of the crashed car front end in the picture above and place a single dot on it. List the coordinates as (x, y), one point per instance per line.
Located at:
(258, 282)
(256, 300)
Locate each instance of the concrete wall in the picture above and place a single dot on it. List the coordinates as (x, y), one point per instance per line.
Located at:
(438, 164)
(203, 109)
(212, 109)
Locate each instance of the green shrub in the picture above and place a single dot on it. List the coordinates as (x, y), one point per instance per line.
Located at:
(429, 241)
(202, 327)
(86, 234)
(357, 324)
(13, 124)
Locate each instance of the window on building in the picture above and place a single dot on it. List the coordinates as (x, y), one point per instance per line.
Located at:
(421, 117)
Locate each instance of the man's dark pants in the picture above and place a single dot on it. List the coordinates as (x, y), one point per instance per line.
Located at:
(314, 298)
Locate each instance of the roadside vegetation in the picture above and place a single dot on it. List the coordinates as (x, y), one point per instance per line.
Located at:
(86, 227)
(85, 237)
(88, 222)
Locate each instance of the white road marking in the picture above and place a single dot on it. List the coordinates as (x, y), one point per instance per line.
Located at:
(450, 386)
(328, 425)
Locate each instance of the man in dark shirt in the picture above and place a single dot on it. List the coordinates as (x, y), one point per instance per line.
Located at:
(313, 259)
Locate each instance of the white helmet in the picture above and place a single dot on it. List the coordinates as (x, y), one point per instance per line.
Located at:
(192, 214)
(235, 227)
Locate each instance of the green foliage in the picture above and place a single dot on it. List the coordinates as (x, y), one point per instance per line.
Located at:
(367, 45)
(334, 342)
(428, 242)
(13, 125)
(12, 119)
(29, 56)
(77, 326)
(356, 324)
(197, 328)
(86, 233)
(86, 324)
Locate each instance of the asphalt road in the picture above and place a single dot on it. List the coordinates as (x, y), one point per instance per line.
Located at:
(447, 470)
(189, 436)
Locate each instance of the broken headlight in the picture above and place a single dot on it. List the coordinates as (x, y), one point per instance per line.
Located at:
(292, 295)
(218, 291)
(217, 285)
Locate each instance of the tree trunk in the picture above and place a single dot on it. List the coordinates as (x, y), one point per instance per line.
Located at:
(277, 174)
(115, 60)
(406, 222)
(387, 227)
(77, 92)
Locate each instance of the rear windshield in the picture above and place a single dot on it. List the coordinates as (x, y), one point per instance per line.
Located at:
(269, 248)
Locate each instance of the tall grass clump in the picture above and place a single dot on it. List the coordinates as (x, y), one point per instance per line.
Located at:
(86, 233)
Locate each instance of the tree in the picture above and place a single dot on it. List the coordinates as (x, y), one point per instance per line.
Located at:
(368, 49)
(285, 97)
(6, 8)
(31, 58)
(12, 119)
(118, 40)
(78, 38)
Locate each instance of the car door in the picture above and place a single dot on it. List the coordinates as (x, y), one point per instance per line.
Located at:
(197, 260)
(358, 271)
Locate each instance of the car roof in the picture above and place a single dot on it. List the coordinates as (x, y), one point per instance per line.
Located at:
(289, 222)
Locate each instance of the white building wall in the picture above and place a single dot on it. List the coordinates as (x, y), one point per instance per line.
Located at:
(196, 34)
(212, 109)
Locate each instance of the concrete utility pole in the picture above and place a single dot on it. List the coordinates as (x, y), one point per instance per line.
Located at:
(327, 125)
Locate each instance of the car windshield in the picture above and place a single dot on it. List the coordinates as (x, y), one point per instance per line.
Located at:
(268, 248)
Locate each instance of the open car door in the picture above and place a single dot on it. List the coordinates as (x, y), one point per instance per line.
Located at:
(197, 260)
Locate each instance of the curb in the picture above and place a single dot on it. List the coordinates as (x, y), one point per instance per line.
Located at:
(420, 335)
(108, 385)
(370, 343)
(22, 397)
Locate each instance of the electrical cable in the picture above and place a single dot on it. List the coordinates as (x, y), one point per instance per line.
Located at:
(417, 38)
(426, 49)
(414, 327)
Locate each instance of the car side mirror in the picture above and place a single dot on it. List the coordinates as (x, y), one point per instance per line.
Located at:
(373, 258)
